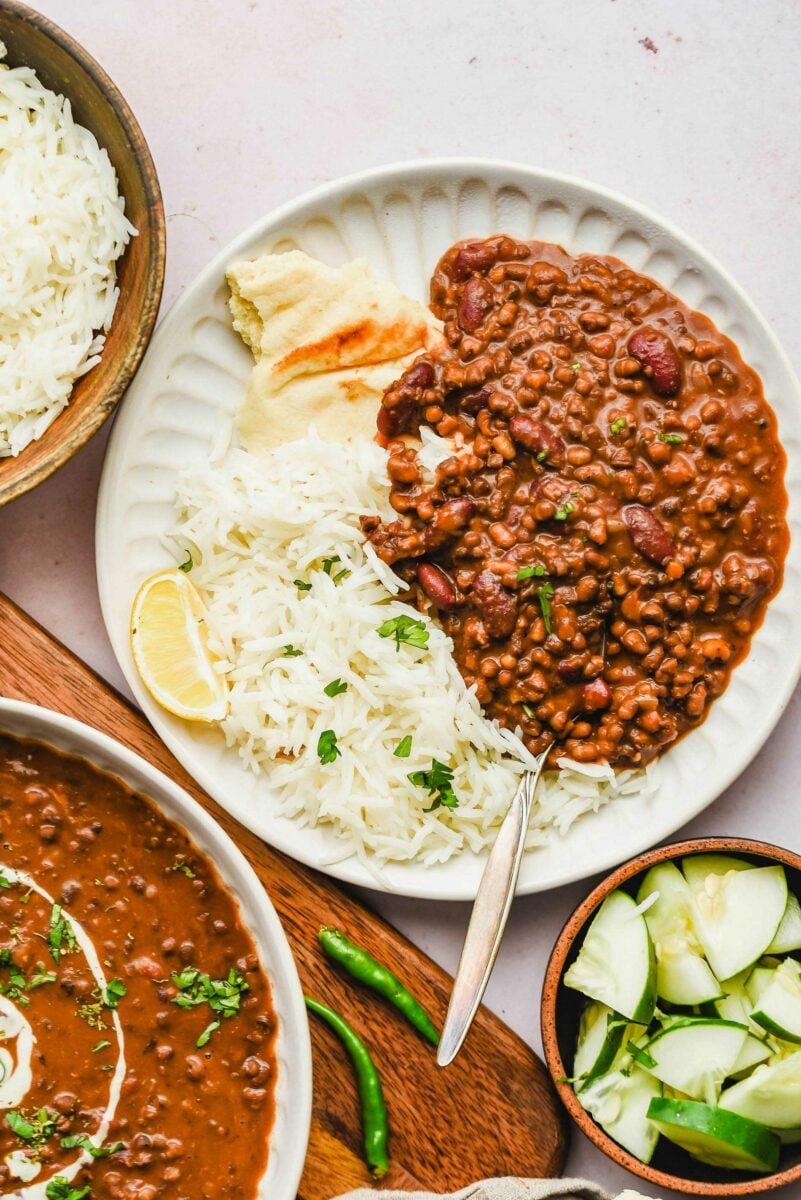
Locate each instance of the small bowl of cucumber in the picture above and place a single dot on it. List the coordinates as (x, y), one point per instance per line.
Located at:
(671, 1016)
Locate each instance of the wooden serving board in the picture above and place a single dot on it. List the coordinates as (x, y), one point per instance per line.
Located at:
(493, 1112)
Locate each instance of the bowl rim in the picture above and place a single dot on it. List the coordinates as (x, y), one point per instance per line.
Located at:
(572, 928)
(293, 1100)
(129, 361)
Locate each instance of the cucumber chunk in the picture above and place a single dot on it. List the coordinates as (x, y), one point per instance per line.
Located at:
(601, 1034)
(616, 963)
(619, 1104)
(758, 983)
(697, 867)
(696, 1055)
(682, 974)
(778, 1008)
(771, 1095)
(736, 915)
(788, 935)
(722, 1139)
(754, 1051)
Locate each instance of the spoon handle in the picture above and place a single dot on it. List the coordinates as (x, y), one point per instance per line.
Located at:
(488, 918)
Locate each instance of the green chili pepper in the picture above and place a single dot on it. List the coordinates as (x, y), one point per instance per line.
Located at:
(363, 967)
(374, 1110)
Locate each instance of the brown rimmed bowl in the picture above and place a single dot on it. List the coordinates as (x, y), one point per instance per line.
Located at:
(561, 1010)
(65, 67)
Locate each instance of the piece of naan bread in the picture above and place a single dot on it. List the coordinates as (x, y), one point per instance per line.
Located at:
(328, 341)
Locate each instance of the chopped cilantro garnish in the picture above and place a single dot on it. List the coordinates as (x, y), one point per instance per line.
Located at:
(329, 562)
(113, 992)
(405, 629)
(205, 1036)
(327, 749)
(566, 508)
(438, 783)
(575, 366)
(104, 1045)
(672, 439)
(544, 593)
(60, 937)
(74, 1140)
(541, 457)
(223, 996)
(291, 652)
(18, 1125)
(302, 586)
(618, 426)
(5, 882)
(60, 1188)
(404, 747)
(40, 976)
(35, 1129)
(526, 572)
(184, 868)
(529, 711)
(335, 688)
(187, 564)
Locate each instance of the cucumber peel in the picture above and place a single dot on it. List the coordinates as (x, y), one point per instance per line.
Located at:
(601, 1034)
(714, 1136)
(778, 1008)
(696, 1055)
(788, 935)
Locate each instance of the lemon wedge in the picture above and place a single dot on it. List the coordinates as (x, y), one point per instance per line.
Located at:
(170, 648)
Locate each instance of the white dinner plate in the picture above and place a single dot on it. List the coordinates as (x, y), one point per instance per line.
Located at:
(293, 1087)
(402, 218)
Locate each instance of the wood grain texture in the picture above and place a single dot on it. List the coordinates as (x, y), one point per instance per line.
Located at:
(65, 67)
(493, 1112)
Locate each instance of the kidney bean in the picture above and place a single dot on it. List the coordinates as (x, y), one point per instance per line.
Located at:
(571, 669)
(497, 606)
(472, 401)
(649, 534)
(454, 514)
(596, 695)
(658, 356)
(475, 304)
(537, 438)
(419, 375)
(437, 586)
(391, 422)
(475, 256)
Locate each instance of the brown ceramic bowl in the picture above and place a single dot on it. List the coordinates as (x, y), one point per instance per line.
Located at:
(561, 1009)
(66, 68)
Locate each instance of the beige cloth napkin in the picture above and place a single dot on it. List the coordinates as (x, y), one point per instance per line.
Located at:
(510, 1189)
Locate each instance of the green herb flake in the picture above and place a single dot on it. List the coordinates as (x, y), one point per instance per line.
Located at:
(40, 977)
(205, 1036)
(566, 509)
(5, 882)
(544, 594)
(438, 783)
(301, 585)
(113, 992)
(19, 1126)
(405, 629)
(36, 1129)
(291, 652)
(60, 937)
(184, 868)
(74, 1141)
(329, 562)
(188, 563)
(541, 457)
(527, 572)
(575, 366)
(327, 749)
(60, 1188)
(618, 426)
(672, 439)
(404, 747)
(104, 1045)
(335, 688)
(529, 711)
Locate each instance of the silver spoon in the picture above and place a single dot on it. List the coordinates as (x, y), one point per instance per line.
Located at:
(488, 918)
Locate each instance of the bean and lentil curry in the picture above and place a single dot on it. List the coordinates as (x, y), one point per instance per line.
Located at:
(118, 937)
(604, 541)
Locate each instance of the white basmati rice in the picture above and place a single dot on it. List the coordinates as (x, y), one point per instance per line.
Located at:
(255, 526)
(62, 228)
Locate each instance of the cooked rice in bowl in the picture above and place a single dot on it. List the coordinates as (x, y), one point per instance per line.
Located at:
(297, 604)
